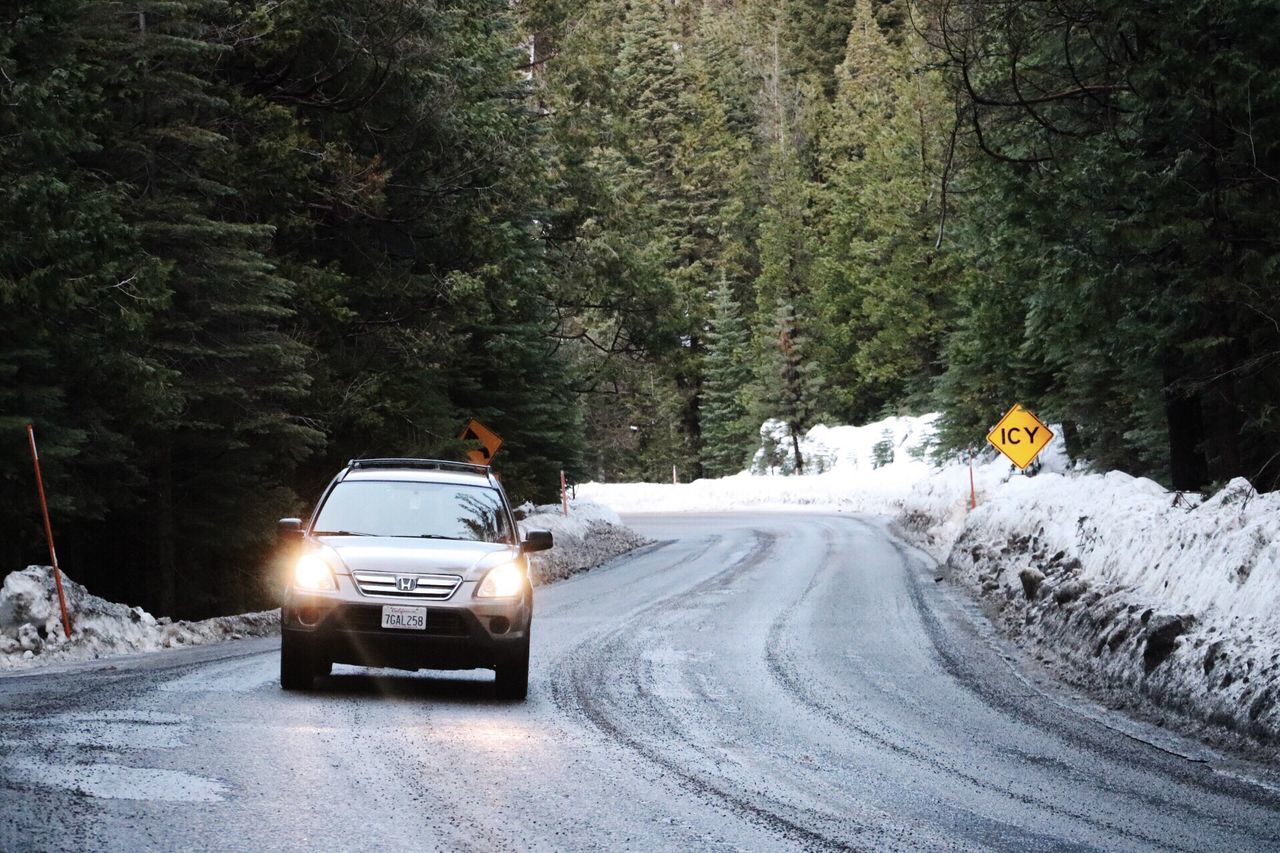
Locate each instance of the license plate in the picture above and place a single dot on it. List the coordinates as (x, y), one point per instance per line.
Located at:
(406, 618)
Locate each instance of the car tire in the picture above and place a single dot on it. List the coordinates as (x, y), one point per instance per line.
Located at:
(297, 664)
(511, 675)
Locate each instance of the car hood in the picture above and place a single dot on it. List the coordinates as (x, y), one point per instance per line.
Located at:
(417, 556)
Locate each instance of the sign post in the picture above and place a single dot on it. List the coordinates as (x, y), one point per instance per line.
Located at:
(1020, 436)
(48, 532)
(489, 440)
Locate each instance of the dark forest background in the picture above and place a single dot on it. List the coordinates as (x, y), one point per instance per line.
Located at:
(242, 241)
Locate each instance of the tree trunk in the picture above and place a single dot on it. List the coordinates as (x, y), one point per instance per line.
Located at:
(1071, 440)
(1188, 470)
(795, 446)
(165, 586)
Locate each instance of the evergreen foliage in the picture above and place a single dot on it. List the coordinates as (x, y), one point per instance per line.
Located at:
(248, 243)
(245, 242)
(882, 452)
(727, 426)
(1127, 157)
(789, 378)
(887, 280)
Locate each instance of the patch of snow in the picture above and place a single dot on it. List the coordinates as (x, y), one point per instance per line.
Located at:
(31, 631)
(119, 782)
(847, 449)
(590, 535)
(854, 477)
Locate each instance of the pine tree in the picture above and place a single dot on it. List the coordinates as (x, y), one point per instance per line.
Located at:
(795, 381)
(728, 432)
(815, 34)
(76, 289)
(1128, 204)
(284, 231)
(443, 302)
(679, 170)
(217, 452)
(888, 272)
(789, 376)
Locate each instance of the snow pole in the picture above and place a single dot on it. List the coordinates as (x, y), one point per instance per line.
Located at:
(564, 493)
(973, 492)
(48, 532)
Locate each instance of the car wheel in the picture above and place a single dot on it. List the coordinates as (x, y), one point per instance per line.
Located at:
(512, 674)
(297, 665)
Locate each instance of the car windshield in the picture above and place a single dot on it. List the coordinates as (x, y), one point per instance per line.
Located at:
(416, 510)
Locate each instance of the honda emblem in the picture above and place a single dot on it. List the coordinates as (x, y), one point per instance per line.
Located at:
(406, 584)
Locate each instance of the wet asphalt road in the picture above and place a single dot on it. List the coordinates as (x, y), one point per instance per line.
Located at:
(757, 682)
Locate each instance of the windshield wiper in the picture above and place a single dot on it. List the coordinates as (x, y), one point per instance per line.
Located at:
(339, 533)
(431, 536)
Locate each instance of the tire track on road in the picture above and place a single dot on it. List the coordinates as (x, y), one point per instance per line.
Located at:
(783, 668)
(1083, 736)
(576, 691)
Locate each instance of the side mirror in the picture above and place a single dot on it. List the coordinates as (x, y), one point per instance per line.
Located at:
(289, 528)
(536, 540)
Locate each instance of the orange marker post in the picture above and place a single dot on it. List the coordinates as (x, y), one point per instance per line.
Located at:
(48, 532)
(973, 492)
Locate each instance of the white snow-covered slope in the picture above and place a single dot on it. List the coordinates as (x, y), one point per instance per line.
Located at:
(841, 464)
(31, 631)
(1127, 586)
(589, 536)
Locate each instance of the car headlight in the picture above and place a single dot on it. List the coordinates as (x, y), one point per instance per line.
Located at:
(312, 572)
(506, 581)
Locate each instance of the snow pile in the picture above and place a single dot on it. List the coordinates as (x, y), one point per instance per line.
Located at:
(31, 624)
(936, 507)
(856, 469)
(589, 536)
(1130, 587)
(846, 448)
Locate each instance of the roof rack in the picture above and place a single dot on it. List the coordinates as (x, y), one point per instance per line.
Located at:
(425, 464)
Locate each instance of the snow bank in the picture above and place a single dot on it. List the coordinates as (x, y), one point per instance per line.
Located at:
(31, 624)
(1129, 587)
(849, 449)
(856, 469)
(589, 536)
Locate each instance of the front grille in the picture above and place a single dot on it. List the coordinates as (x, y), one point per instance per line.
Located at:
(430, 587)
(440, 623)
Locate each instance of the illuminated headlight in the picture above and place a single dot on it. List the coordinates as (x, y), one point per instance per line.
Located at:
(312, 572)
(506, 581)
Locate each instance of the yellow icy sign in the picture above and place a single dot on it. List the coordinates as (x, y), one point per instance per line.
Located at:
(1020, 436)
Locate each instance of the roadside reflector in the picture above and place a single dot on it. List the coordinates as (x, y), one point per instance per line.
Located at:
(48, 532)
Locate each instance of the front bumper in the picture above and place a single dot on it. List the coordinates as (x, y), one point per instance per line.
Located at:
(465, 634)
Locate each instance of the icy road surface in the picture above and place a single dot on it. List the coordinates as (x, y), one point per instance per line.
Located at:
(757, 682)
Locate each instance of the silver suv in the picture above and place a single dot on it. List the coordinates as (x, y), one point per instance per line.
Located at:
(409, 563)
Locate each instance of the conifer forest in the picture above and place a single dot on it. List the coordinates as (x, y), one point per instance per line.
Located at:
(244, 241)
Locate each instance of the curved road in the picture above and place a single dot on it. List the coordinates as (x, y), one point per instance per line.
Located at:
(768, 681)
